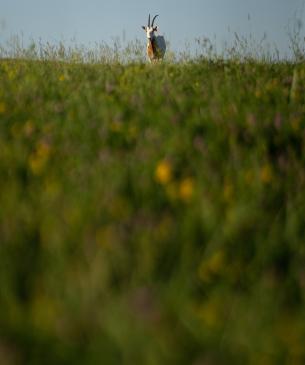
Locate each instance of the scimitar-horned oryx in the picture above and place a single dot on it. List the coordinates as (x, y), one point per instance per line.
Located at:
(156, 46)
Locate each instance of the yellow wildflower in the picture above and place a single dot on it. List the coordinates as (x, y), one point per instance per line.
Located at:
(186, 189)
(163, 173)
(266, 174)
(39, 159)
(212, 312)
(43, 149)
(36, 165)
(258, 94)
(2, 107)
(212, 266)
(61, 78)
(116, 126)
(28, 128)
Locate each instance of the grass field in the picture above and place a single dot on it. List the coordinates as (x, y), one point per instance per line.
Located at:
(152, 214)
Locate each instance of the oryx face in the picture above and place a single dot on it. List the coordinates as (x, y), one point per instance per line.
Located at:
(150, 32)
(150, 29)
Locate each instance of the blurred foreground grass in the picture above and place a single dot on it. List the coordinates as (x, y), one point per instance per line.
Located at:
(152, 214)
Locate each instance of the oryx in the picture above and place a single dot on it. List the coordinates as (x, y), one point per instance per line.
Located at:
(156, 46)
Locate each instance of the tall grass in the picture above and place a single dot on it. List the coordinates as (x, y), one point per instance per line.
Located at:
(240, 48)
(151, 214)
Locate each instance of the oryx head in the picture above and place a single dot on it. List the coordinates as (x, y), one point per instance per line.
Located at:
(150, 29)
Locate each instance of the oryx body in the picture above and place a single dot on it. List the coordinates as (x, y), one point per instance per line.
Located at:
(156, 45)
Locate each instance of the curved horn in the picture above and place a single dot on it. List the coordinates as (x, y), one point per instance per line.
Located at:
(154, 20)
(148, 20)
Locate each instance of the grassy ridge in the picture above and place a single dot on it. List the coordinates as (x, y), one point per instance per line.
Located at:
(152, 214)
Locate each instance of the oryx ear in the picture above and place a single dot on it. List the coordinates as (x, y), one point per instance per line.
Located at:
(143, 27)
(156, 29)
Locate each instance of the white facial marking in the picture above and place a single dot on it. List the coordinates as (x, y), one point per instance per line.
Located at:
(150, 32)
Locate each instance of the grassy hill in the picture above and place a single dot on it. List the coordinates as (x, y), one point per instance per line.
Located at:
(152, 214)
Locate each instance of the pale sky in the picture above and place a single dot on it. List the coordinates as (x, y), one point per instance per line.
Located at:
(181, 21)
